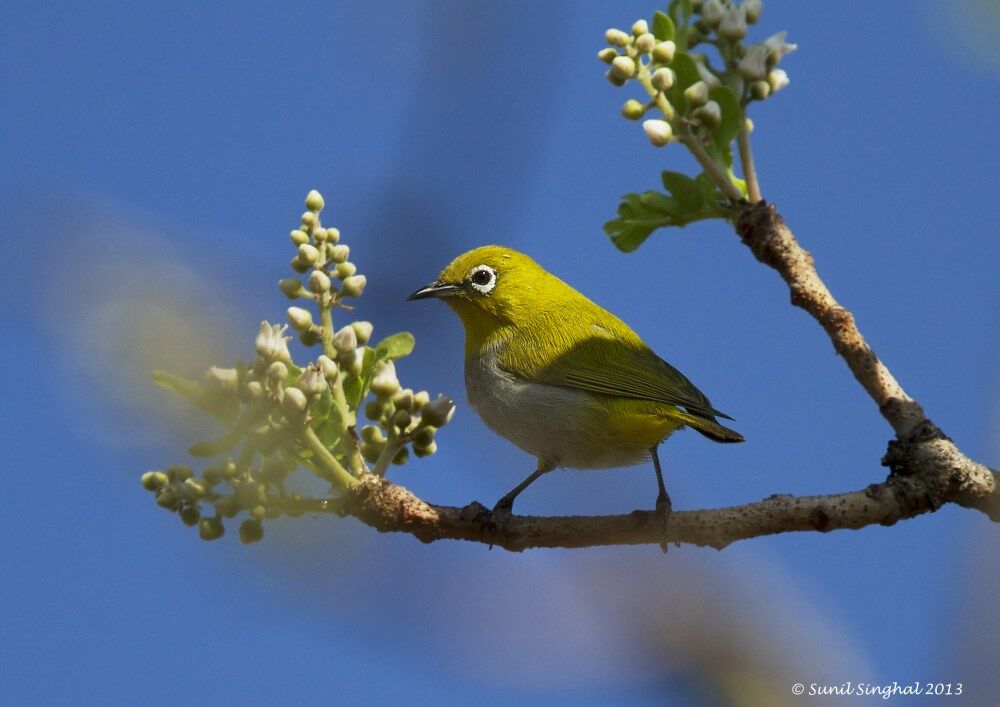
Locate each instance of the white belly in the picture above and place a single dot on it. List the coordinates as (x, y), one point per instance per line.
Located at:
(554, 424)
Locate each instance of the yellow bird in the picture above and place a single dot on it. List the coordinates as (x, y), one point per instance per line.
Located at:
(560, 377)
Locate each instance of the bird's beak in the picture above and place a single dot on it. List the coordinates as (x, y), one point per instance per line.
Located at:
(435, 289)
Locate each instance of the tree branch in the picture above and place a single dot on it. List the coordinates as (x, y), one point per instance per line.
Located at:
(927, 470)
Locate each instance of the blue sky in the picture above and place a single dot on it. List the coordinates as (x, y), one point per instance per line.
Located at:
(152, 159)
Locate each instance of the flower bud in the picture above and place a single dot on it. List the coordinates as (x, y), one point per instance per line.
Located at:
(401, 419)
(372, 433)
(623, 67)
(640, 27)
(384, 382)
(633, 109)
(614, 80)
(354, 285)
(424, 437)
(645, 43)
(329, 367)
(712, 12)
(401, 456)
(607, 55)
(210, 529)
(662, 79)
(778, 47)
(748, 125)
(420, 399)
(190, 515)
(300, 319)
(154, 480)
(259, 512)
(696, 94)
(339, 253)
(354, 361)
(374, 410)
(664, 52)
(425, 450)
(371, 451)
(438, 412)
(319, 281)
(345, 270)
(616, 37)
(778, 79)
(290, 287)
(228, 506)
(314, 201)
(753, 66)
(658, 131)
(179, 472)
(760, 90)
(752, 9)
(167, 498)
(312, 381)
(251, 531)
(345, 339)
(309, 221)
(196, 487)
(403, 400)
(255, 390)
(308, 255)
(277, 371)
(734, 25)
(271, 343)
(298, 266)
(332, 235)
(311, 336)
(294, 401)
(710, 115)
(319, 234)
(363, 330)
(224, 379)
(299, 237)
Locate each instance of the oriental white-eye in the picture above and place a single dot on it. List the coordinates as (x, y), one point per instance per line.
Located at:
(559, 376)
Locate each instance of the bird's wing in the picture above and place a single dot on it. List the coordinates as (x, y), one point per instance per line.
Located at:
(621, 366)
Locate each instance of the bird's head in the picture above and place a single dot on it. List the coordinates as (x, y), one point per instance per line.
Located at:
(489, 287)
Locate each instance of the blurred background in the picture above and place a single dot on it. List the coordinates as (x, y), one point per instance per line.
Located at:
(154, 157)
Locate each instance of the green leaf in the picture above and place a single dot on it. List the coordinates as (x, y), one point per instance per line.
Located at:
(356, 387)
(663, 27)
(659, 202)
(686, 74)
(395, 346)
(219, 405)
(732, 115)
(684, 190)
(679, 12)
(217, 446)
(727, 158)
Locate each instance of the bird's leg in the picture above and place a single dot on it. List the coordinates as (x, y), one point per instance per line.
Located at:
(663, 504)
(663, 498)
(506, 504)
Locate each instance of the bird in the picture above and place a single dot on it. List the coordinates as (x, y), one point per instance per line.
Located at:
(561, 377)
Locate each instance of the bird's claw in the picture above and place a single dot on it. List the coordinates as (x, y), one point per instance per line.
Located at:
(501, 514)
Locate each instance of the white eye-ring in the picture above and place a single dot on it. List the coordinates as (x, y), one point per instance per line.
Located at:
(483, 278)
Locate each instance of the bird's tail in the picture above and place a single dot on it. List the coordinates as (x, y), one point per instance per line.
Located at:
(708, 426)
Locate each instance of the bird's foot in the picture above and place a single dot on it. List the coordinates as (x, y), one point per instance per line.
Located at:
(502, 513)
(664, 508)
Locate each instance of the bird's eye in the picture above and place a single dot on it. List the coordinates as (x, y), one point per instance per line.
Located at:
(482, 278)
